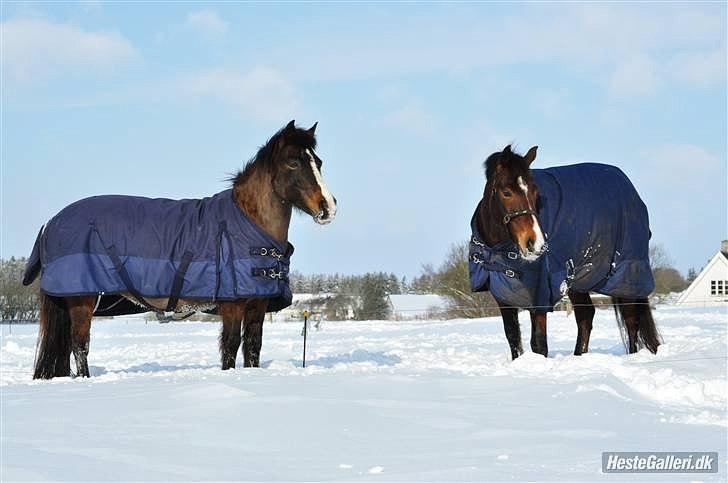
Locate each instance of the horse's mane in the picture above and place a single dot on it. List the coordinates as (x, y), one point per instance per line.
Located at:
(295, 136)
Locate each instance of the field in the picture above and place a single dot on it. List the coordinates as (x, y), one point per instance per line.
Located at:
(380, 400)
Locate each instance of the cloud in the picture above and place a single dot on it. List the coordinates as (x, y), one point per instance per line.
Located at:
(636, 76)
(37, 48)
(208, 23)
(412, 119)
(603, 42)
(684, 164)
(261, 93)
(700, 69)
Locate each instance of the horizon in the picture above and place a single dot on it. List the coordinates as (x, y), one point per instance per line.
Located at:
(166, 100)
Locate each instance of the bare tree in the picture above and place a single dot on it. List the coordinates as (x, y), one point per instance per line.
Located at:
(452, 280)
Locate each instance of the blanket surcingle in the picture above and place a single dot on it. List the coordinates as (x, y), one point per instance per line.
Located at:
(204, 250)
(597, 233)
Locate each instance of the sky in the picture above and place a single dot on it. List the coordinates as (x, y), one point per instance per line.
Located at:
(169, 99)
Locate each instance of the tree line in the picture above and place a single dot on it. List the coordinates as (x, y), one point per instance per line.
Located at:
(365, 295)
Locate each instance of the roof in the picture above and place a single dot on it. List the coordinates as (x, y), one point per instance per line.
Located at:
(415, 304)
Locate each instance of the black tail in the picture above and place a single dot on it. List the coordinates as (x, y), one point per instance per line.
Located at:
(53, 352)
(32, 268)
(647, 334)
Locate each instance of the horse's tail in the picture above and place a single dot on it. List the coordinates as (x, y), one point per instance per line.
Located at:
(647, 333)
(53, 351)
(33, 266)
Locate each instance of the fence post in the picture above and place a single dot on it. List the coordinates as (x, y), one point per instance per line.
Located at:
(305, 333)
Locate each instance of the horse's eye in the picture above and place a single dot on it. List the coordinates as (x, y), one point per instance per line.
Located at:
(293, 164)
(507, 193)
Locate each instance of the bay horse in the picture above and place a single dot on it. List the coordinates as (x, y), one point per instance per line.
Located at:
(226, 254)
(540, 234)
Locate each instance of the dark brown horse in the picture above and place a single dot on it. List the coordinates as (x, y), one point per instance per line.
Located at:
(509, 212)
(284, 175)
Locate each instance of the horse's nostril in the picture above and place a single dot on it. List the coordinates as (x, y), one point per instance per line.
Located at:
(530, 244)
(324, 207)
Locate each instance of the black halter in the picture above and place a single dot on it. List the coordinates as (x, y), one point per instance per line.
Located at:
(510, 215)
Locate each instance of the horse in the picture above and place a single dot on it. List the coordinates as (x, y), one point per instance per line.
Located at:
(226, 254)
(540, 234)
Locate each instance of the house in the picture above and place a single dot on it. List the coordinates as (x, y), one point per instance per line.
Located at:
(416, 306)
(710, 287)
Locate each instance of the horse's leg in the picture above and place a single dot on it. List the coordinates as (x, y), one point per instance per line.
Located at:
(253, 331)
(512, 329)
(584, 313)
(538, 333)
(81, 311)
(232, 315)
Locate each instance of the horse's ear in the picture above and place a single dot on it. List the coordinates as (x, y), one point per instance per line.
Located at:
(530, 155)
(312, 129)
(290, 126)
(507, 150)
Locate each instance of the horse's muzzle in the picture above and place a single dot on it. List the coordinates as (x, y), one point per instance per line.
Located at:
(326, 213)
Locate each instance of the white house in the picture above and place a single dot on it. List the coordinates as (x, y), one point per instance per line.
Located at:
(710, 287)
(414, 306)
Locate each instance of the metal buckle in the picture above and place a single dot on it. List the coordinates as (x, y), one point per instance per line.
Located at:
(273, 274)
(274, 253)
(263, 251)
(509, 273)
(512, 255)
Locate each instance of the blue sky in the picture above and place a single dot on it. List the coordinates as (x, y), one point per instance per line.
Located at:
(167, 99)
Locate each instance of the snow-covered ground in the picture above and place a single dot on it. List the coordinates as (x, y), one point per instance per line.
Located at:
(420, 400)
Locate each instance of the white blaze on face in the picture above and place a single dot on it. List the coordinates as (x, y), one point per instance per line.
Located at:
(330, 203)
(539, 242)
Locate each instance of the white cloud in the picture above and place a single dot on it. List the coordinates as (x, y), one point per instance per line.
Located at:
(685, 164)
(261, 93)
(595, 40)
(412, 119)
(636, 76)
(208, 23)
(701, 69)
(34, 48)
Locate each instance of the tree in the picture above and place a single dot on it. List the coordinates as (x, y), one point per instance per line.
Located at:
(374, 305)
(692, 275)
(659, 257)
(667, 278)
(17, 302)
(452, 280)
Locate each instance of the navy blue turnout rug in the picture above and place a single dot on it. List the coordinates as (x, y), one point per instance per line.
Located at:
(597, 234)
(197, 249)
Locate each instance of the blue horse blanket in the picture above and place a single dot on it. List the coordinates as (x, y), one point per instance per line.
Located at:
(199, 249)
(597, 234)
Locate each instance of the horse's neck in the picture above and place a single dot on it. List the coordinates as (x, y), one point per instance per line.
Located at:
(256, 198)
(489, 220)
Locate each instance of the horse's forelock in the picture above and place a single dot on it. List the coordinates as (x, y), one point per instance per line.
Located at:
(298, 137)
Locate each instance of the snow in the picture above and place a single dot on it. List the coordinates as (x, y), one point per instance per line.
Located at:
(417, 305)
(379, 400)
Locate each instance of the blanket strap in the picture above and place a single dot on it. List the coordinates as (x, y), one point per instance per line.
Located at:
(124, 275)
(179, 279)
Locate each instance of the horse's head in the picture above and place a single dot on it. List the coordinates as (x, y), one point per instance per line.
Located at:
(510, 189)
(296, 173)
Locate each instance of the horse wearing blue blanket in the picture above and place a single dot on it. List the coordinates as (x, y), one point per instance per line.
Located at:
(540, 234)
(226, 254)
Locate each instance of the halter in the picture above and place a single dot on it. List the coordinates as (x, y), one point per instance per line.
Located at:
(510, 215)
